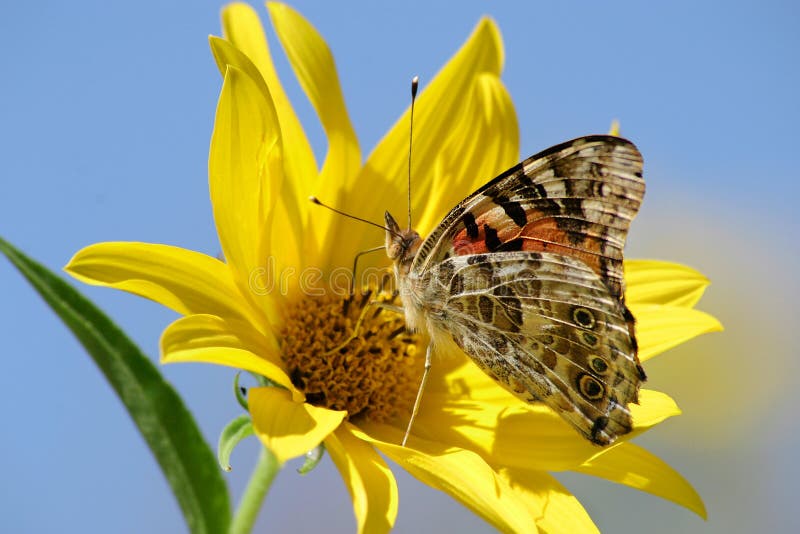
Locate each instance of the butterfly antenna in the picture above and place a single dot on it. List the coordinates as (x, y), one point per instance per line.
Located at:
(318, 202)
(414, 85)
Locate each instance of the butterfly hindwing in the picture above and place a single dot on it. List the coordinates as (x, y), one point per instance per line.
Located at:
(576, 199)
(545, 327)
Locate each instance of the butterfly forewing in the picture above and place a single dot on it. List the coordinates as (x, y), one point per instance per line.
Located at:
(576, 199)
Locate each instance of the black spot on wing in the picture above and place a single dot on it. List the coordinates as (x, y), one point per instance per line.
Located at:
(492, 241)
(599, 425)
(631, 321)
(512, 245)
(513, 209)
(640, 371)
(626, 313)
(529, 189)
(469, 223)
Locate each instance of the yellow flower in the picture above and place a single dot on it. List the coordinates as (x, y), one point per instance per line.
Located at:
(278, 306)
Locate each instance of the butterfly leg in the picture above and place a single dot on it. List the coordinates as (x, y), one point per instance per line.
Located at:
(418, 400)
(355, 266)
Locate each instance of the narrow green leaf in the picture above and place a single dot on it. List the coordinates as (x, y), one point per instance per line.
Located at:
(313, 458)
(232, 434)
(240, 392)
(169, 429)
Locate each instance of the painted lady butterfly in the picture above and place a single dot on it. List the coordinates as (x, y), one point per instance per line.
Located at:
(525, 276)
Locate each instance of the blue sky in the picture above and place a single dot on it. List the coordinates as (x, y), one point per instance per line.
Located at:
(106, 113)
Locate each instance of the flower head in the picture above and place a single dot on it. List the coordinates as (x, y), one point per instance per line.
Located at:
(281, 305)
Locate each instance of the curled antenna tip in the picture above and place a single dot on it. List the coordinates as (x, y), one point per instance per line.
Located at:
(414, 85)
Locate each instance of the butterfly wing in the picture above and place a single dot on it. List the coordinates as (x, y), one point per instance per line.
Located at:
(545, 327)
(576, 199)
(525, 275)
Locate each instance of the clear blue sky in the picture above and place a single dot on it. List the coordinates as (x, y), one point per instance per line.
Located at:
(106, 111)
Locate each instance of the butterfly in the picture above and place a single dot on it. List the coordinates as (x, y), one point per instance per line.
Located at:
(525, 276)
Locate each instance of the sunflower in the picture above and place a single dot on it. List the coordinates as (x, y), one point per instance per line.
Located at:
(281, 303)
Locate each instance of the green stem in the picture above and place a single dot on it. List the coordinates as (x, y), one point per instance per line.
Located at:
(260, 481)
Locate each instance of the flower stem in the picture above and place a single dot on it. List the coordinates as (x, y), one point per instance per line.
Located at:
(257, 488)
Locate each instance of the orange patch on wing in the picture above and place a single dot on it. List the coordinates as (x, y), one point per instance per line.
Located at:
(540, 235)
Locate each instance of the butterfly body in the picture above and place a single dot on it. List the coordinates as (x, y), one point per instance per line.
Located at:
(525, 276)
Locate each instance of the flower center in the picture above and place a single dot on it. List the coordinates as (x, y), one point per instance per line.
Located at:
(351, 354)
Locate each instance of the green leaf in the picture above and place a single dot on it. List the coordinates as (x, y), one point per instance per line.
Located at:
(169, 429)
(232, 434)
(240, 393)
(313, 458)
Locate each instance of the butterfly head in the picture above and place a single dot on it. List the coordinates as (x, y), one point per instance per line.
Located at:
(401, 245)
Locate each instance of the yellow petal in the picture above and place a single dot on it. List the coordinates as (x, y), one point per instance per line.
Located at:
(473, 412)
(554, 509)
(483, 142)
(313, 64)
(286, 427)
(287, 220)
(661, 282)
(506, 432)
(659, 328)
(242, 27)
(458, 472)
(245, 174)
(245, 135)
(314, 67)
(438, 107)
(470, 410)
(614, 128)
(225, 53)
(633, 466)
(479, 415)
(368, 479)
(183, 280)
(654, 407)
(229, 342)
